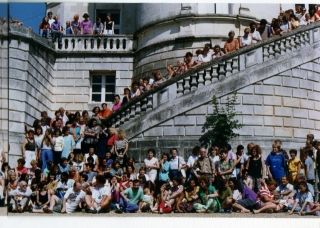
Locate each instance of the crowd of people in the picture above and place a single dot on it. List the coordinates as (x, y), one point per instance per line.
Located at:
(74, 162)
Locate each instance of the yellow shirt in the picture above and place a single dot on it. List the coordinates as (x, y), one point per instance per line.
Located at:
(293, 164)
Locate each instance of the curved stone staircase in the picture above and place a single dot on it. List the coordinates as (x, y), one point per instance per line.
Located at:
(219, 77)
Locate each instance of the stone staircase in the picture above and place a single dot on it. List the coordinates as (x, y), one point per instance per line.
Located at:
(219, 77)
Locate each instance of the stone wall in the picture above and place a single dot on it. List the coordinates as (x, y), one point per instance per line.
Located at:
(4, 124)
(72, 79)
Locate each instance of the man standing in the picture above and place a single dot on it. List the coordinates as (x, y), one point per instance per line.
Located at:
(254, 33)
(56, 31)
(98, 27)
(100, 201)
(20, 197)
(130, 199)
(264, 30)
(205, 166)
(70, 201)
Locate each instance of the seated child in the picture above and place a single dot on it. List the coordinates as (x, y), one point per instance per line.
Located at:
(302, 199)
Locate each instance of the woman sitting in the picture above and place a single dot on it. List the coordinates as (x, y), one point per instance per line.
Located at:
(208, 196)
(191, 197)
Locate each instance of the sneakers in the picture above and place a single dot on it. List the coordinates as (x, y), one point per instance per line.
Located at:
(92, 211)
(119, 210)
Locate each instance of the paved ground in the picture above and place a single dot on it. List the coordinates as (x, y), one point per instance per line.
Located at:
(172, 215)
(3, 211)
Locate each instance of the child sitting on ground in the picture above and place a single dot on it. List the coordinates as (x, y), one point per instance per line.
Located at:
(147, 200)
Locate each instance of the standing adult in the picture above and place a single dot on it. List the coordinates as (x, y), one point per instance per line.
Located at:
(246, 40)
(44, 27)
(121, 147)
(255, 167)
(264, 30)
(254, 33)
(86, 25)
(177, 163)
(231, 44)
(46, 153)
(193, 157)
(117, 104)
(29, 149)
(56, 31)
(152, 164)
(164, 168)
(205, 166)
(51, 19)
(276, 163)
(97, 27)
(75, 25)
(109, 26)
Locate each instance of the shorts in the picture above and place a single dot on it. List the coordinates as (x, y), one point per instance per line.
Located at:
(58, 207)
(246, 203)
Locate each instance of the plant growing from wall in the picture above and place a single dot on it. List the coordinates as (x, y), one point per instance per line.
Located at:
(221, 124)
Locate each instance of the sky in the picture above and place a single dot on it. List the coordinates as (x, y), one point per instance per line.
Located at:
(30, 14)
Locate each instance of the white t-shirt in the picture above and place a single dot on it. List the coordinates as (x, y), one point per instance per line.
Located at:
(191, 160)
(78, 166)
(93, 156)
(151, 162)
(247, 40)
(255, 35)
(73, 199)
(98, 193)
(282, 188)
(69, 184)
(38, 140)
(204, 58)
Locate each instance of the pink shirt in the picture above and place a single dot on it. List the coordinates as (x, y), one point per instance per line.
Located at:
(116, 106)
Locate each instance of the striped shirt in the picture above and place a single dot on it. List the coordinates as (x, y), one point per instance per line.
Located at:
(264, 191)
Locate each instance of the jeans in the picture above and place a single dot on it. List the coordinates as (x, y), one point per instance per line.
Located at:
(56, 34)
(47, 33)
(128, 207)
(46, 155)
(298, 207)
(57, 157)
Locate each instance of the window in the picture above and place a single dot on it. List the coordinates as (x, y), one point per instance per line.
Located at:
(103, 87)
(115, 16)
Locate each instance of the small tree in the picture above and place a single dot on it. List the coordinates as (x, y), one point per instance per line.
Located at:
(221, 123)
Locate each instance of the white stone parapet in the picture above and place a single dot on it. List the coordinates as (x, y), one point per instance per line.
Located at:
(96, 43)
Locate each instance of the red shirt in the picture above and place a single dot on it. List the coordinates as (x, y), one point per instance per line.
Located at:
(112, 139)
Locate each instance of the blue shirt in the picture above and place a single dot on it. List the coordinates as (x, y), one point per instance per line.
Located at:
(64, 169)
(164, 175)
(277, 163)
(68, 142)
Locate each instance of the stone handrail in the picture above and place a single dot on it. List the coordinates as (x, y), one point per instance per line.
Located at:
(21, 31)
(97, 43)
(216, 70)
(81, 43)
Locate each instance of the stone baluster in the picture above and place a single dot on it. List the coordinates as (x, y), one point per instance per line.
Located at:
(271, 52)
(200, 80)
(144, 105)
(228, 67)
(138, 109)
(265, 52)
(207, 76)
(277, 48)
(95, 43)
(117, 121)
(235, 64)
(297, 41)
(179, 88)
(69, 41)
(127, 116)
(194, 82)
(302, 41)
(282, 46)
(288, 46)
(306, 37)
(214, 75)
(292, 43)
(222, 73)
(122, 117)
(56, 45)
(149, 103)
(113, 122)
(132, 111)
(186, 85)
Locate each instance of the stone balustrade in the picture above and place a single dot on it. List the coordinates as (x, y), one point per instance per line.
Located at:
(87, 43)
(216, 70)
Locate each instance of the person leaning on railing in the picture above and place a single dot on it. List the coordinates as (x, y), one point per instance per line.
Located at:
(56, 30)
(86, 25)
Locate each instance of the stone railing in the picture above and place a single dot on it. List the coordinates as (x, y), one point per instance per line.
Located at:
(216, 70)
(88, 43)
